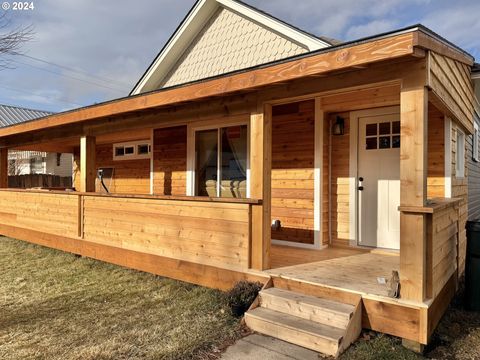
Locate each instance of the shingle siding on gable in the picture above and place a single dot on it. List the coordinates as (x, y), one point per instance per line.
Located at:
(229, 42)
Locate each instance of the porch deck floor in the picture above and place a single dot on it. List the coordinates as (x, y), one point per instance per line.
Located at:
(347, 269)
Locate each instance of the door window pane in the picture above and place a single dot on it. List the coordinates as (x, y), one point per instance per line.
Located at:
(384, 142)
(371, 129)
(234, 162)
(206, 154)
(396, 127)
(384, 128)
(371, 143)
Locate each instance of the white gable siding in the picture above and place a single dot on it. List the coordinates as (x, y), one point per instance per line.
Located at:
(229, 42)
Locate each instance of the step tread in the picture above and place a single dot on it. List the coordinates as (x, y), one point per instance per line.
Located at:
(330, 305)
(327, 332)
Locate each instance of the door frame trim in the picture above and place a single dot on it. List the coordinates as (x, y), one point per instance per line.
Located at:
(353, 165)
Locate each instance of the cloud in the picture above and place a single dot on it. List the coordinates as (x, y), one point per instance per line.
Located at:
(117, 39)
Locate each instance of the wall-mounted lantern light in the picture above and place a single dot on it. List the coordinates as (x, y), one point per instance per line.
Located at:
(339, 126)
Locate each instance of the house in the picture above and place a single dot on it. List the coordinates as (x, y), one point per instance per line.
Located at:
(33, 162)
(335, 173)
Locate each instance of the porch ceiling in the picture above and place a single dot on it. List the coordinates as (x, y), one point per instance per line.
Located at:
(387, 47)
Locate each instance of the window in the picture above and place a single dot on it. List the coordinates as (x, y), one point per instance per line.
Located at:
(221, 162)
(460, 155)
(36, 165)
(384, 135)
(475, 154)
(132, 150)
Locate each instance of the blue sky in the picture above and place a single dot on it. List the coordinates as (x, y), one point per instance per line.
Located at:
(103, 47)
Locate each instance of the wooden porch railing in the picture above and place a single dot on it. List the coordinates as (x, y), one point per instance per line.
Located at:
(215, 232)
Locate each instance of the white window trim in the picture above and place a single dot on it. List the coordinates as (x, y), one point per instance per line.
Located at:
(460, 155)
(135, 155)
(475, 155)
(212, 125)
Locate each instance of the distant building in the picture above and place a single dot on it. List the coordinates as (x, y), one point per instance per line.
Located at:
(32, 162)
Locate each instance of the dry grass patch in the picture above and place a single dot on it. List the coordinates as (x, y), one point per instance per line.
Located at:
(55, 305)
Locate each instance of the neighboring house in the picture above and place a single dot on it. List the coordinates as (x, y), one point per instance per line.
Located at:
(332, 172)
(25, 162)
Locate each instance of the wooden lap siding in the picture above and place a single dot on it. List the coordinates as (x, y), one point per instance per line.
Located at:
(473, 182)
(436, 153)
(215, 234)
(460, 190)
(340, 183)
(170, 161)
(129, 176)
(293, 146)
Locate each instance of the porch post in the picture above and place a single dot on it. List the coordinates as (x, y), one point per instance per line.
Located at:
(87, 164)
(4, 168)
(413, 186)
(260, 186)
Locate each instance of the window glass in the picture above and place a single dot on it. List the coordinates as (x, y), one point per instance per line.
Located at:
(396, 127)
(119, 151)
(234, 162)
(460, 155)
(371, 143)
(206, 164)
(384, 142)
(142, 149)
(371, 129)
(384, 128)
(129, 150)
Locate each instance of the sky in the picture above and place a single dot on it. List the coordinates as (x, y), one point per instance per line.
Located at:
(88, 51)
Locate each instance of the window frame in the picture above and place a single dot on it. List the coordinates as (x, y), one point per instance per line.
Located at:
(460, 155)
(191, 142)
(134, 155)
(475, 155)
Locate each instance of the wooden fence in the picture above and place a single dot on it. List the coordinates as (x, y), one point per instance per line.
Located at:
(39, 181)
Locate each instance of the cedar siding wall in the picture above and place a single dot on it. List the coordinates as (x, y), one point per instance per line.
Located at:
(170, 161)
(460, 190)
(293, 147)
(340, 188)
(436, 153)
(129, 176)
(473, 181)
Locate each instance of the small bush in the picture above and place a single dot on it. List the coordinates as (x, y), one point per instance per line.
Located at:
(242, 295)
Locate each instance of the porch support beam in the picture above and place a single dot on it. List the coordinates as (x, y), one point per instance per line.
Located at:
(260, 186)
(87, 163)
(413, 185)
(4, 168)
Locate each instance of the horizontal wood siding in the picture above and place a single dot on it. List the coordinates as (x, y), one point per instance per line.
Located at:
(129, 176)
(293, 151)
(340, 183)
(436, 153)
(208, 233)
(50, 213)
(473, 181)
(170, 161)
(460, 190)
(450, 80)
(442, 244)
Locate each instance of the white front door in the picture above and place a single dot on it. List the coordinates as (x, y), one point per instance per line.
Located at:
(379, 181)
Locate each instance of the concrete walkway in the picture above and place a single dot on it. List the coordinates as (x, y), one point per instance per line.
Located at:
(263, 347)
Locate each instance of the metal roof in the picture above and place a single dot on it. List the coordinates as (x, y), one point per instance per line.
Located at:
(11, 115)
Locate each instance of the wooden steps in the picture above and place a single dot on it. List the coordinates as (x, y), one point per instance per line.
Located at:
(322, 325)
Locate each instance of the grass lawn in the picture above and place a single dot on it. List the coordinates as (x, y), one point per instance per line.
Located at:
(54, 305)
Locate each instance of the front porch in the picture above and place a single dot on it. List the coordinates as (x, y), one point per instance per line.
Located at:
(343, 269)
(196, 174)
